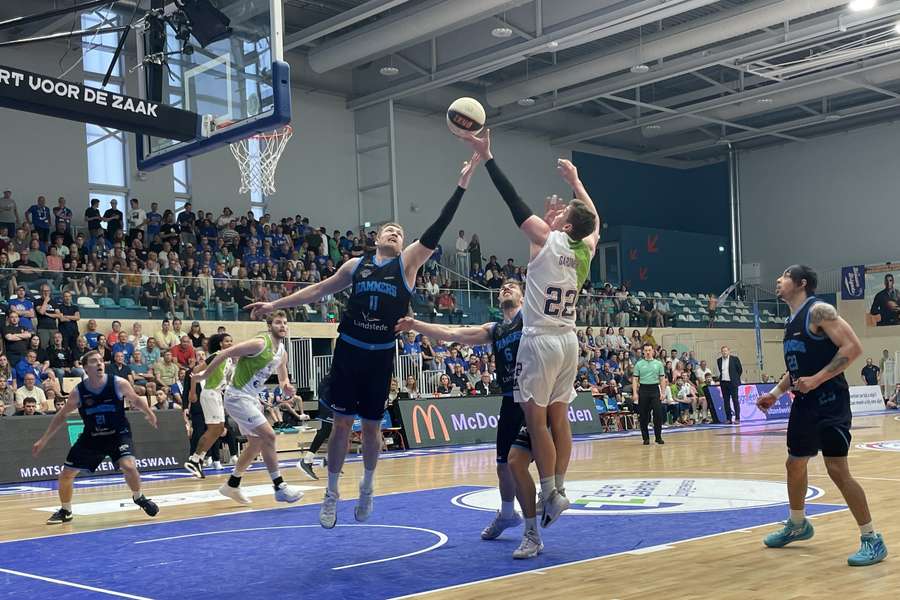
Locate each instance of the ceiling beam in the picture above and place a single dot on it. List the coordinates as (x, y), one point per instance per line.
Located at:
(726, 55)
(779, 128)
(364, 11)
(753, 94)
(599, 24)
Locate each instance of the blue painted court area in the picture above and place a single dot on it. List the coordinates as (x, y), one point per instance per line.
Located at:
(415, 542)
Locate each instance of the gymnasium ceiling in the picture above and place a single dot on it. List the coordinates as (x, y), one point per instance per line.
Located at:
(672, 82)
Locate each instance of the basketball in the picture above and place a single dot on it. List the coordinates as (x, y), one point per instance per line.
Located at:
(465, 115)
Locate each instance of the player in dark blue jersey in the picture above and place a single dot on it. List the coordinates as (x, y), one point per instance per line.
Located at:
(504, 337)
(100, 400)
(818, 346)
(380, 285)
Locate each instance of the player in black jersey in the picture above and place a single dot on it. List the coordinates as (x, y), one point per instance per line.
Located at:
(504, 337)
(100, 400)
(363, 361)
(818, 346)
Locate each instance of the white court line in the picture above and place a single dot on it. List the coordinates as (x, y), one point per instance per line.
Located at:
(74, 585)
(587, 560)
(442, 539)
(161, 522)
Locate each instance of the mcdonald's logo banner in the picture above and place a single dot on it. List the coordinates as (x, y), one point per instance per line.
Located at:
(452, 421)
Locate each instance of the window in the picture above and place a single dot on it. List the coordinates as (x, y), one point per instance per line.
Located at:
(106, 148)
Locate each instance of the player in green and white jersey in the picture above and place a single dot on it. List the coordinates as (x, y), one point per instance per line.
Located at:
(254, 361)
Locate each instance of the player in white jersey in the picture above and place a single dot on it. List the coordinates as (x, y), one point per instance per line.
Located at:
(211, 403)
(254, 361)
(547, 362)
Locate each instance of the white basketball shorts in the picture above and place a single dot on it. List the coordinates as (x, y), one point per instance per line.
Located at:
(213, 408)
(546, 366)
(245, 409)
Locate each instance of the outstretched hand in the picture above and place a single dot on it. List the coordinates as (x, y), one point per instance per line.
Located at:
(259, 310)
(468, 169)
(405, 324)
(567, 171)
(481, 145)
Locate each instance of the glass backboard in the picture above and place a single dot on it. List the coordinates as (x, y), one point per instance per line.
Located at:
(239, 85)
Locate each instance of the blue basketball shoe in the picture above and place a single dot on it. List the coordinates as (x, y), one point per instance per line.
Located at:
(871, 550)
(789, 533)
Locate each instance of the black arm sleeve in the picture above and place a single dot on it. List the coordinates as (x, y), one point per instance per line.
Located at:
(432, 236)
(517, 206)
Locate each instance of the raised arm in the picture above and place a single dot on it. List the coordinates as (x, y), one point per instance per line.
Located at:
(480, 334)
(534, 227)
(824, 319)
(249, 347)
(417, 254)
(337, 282)
(569, 173)
(56, 422)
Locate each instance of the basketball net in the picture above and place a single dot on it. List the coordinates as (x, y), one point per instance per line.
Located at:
(257, 157)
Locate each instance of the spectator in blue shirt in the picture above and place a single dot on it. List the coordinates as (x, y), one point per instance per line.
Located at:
(154, 221)
(123, 346)
(24, 307)
(39, 217)
(411, 345)
(29, 364)
(92, 335)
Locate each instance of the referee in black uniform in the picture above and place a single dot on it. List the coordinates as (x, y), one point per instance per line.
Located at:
(646, 385)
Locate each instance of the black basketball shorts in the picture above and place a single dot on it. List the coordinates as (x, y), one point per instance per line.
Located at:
(88, 451)
(510, 422)
(359, 381)
(815, 427)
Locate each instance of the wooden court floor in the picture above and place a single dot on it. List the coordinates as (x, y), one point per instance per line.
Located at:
(733, 564)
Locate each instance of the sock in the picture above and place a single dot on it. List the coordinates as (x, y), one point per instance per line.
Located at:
(560, 481)
(333, 481)
(507, 509)
(367, 480)
(548, 484)
(136, 495)
(867, 529)
(308, 457)
(234, 482)
(277, 481)
(67, 506)
(798, 516)
(531, 524)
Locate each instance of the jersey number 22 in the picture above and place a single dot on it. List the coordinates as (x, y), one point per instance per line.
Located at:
(555, 298)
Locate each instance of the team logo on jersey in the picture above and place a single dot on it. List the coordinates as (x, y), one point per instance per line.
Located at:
(89, 401)
(655, 496)
(886, 446)
(365, 273)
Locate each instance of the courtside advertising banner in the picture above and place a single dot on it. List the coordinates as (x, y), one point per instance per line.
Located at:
(473, 420)
(748, 394)
(865, 398)
(155, 449)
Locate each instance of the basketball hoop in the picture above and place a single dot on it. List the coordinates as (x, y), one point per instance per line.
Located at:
(258, 156)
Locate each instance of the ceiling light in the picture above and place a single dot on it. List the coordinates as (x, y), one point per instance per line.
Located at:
(501, 32)
(389, 71)
(897, 27)
(525, 102)
(764, 101)
(833, 117)
(640, 69)
(653, 127)
(859, 5)
(553, 44)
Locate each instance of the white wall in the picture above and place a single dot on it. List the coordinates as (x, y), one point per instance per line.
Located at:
(316, 176)
(429, 158)
(829, 202)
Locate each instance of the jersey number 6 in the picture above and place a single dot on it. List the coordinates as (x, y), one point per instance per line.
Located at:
(555, 298)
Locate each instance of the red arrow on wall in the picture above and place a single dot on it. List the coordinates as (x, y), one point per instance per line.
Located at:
(632, 254)
(642, 273)
(651, 243)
